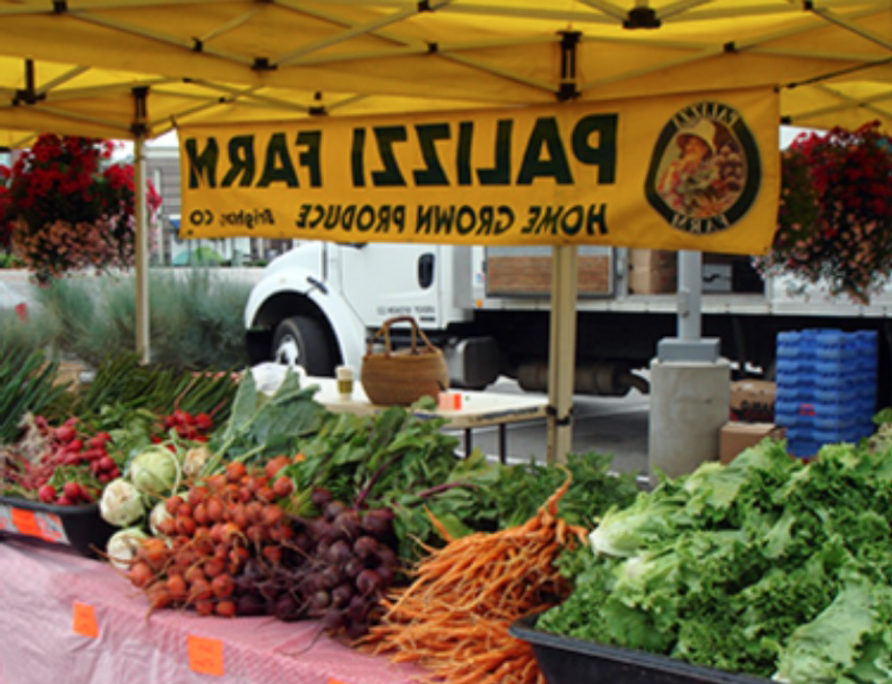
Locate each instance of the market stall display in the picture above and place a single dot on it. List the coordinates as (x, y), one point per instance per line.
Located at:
(368, 532)
(288, 510)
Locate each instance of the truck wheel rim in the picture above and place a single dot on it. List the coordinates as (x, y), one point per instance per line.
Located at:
(288, 352)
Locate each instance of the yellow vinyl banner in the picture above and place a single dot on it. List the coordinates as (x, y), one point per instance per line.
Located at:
(694, 172)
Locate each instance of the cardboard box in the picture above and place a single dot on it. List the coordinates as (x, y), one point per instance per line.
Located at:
(652, 271)
(752, 401)
(654, 281)
(648, 259)
(735, 436)
(531, 275)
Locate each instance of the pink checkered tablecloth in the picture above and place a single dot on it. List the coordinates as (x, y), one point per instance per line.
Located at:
(67, 618)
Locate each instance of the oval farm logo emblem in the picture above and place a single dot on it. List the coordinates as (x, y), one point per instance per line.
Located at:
(705, 170)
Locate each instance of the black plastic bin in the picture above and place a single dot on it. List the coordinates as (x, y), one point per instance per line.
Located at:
(79, 527)
(565, 660)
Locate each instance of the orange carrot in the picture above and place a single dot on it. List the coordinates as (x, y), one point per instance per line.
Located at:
(454, 617)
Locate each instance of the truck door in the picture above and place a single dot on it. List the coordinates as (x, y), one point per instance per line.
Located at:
(382, 280)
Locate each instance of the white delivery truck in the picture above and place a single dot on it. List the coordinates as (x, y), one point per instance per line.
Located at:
(488, 309)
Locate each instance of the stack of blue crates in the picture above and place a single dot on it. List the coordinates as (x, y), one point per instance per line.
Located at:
(826, 387)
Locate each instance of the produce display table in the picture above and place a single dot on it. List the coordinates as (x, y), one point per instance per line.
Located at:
(476, 409)
(67, 618)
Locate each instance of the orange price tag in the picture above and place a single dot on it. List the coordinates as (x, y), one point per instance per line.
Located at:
(84, 620)
(206, 655)
(26, 523)
(332, 680)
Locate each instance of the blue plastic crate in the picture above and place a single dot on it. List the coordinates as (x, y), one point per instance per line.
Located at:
(802, 447)
(866, 349)
(794, 384)
(835, 345)
(833, 424)
(843, 394)
(831, 435)
(794, 366)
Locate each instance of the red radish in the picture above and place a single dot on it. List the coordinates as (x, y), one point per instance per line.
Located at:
(72, 459)
(73, 445)
(47, 493)
(65, 433)
(72, 490)
(99, 440)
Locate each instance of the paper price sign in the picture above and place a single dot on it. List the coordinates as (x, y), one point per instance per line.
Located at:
(84, 620)
(206, 655)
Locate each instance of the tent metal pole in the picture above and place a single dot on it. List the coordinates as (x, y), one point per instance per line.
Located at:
(562, 352)
(690, 288)
(142, 250)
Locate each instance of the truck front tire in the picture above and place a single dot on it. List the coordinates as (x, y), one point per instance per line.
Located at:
(301, 340)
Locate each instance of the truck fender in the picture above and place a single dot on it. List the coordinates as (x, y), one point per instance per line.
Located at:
(347, 330)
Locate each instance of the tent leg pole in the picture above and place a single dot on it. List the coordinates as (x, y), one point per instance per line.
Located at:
(141, 251)
(562, 352)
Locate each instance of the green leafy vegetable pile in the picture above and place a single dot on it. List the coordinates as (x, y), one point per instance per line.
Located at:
(766, 566)
(395, 460)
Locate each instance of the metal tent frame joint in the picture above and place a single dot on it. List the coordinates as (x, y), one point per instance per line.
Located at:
(642, 18)
(552, 413)
(263, 64)
(567, 90)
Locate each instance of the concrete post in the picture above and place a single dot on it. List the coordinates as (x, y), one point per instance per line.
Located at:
(689, 404)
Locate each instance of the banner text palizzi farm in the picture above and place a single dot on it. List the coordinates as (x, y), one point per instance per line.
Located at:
(574, 173)
(445, 156)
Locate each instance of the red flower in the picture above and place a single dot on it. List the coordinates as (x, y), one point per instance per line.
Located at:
(66, 211)
(835, 217)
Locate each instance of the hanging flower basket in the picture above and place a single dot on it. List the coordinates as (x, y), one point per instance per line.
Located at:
(835, 214)
(65, 207)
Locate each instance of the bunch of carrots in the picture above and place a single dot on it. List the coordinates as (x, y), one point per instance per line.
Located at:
(453, 618)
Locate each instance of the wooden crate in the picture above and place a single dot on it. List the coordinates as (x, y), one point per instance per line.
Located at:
(531, 275)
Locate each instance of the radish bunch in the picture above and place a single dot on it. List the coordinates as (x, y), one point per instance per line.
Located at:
(191, 427)
(65, 466)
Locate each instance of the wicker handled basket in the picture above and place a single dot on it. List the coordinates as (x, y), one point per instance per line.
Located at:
(403, 376)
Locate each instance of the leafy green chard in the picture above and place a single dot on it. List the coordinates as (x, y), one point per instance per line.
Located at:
(765, 566)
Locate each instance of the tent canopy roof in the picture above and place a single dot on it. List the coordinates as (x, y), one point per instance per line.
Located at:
(73, 65)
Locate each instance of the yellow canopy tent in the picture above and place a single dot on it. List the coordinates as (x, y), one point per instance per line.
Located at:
(210, 61)
(493, 51)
